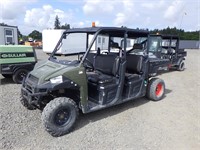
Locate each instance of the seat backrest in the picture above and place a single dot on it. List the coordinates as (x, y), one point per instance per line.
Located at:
(91, 56)
(108, 64)
(134, 63)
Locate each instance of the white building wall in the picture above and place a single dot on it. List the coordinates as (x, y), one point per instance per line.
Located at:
(3, 34)
(2, 37)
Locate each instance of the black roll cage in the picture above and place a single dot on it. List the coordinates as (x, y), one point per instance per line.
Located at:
(114, 31)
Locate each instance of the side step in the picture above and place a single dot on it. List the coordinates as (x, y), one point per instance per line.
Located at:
(92, 106)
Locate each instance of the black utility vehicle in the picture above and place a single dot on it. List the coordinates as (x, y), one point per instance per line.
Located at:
(167, 47)
(107, 74)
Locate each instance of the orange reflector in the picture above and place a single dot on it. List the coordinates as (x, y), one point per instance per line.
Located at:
(93, 24)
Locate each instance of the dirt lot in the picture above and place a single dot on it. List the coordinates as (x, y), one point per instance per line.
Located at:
(173, 123)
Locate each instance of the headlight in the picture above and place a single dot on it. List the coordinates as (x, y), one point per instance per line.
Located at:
(58, 79)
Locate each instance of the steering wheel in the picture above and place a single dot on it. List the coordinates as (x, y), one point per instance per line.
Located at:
(88, 64)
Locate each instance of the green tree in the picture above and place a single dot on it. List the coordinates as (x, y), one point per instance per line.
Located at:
(24, 37)
(66, 26)
(57, 23)
(194, 35)
(19, 34)
(3, 24)
(36, 35)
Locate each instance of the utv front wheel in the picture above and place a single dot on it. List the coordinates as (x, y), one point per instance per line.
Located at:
(156, 89)
(59, 116)
(19, 75)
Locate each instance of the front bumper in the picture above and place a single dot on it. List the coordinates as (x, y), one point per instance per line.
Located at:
(34, 93)
(32, 98)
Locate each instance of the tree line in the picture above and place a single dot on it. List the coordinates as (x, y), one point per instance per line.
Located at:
(184, 35)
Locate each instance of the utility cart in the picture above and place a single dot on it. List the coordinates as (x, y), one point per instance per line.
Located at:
(100, 78)
(167, 47)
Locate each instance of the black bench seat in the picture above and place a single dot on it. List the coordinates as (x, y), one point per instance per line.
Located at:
(105, 69)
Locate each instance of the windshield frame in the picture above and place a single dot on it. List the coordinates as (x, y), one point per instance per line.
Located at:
(96, 31)
(58, 44)
(65, 34)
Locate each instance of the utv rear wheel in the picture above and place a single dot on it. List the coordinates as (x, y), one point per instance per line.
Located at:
(7, 75)
(156, 89)
(19, 75)
(181, 66)
(59, 116)
(25, 103)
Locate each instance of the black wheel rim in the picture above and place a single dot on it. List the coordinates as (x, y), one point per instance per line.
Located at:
(21, 75)
(62, 117)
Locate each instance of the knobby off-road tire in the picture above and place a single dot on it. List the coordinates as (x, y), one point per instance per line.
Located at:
(59, 116)
(19, 75)
(181, 66)
(7, 75)
(25, 103)
(156, 89)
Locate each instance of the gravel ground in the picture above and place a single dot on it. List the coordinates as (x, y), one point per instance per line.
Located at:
(173, 123)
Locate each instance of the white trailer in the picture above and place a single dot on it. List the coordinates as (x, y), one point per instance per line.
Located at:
(71, 45)
(76, 42)
(8, 35)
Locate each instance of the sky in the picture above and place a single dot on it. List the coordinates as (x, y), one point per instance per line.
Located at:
(31, 15)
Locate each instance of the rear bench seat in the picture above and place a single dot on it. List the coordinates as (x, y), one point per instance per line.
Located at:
(133, 67)
(133, 76)
(106, 68)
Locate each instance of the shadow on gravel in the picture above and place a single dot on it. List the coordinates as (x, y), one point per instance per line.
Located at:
(6, 81)
(167, 91)
(85, 119)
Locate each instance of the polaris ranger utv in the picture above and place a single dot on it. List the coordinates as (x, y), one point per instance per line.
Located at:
(101, 78)
(16, 61)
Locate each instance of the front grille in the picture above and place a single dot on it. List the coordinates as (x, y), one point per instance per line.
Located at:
(29, 88)
(33, 79)
(30, 83)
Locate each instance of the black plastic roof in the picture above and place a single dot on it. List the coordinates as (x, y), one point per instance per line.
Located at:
(113, 31)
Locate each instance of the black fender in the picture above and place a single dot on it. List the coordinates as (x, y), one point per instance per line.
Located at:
(12, 68)
(27, 66)
(68, 88)
(179, 61)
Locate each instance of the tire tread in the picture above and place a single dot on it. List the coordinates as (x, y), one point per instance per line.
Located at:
(48, 111)
(151, 89)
